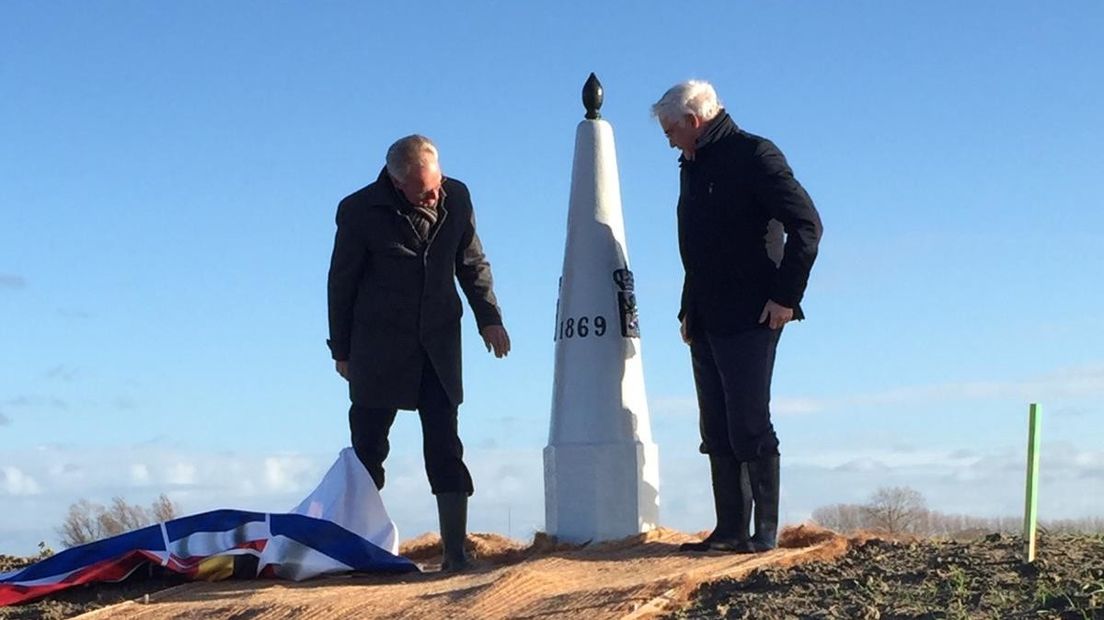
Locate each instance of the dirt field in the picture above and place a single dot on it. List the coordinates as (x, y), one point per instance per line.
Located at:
(983, 578)
(816, 575)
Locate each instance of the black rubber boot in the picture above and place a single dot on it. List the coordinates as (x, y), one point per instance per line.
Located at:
(764, 488)
(452, 512)
(732, 501)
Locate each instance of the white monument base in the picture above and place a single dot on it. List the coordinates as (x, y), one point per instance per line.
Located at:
(602, 491)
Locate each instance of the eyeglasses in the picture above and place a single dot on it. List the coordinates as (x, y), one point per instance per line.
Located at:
(427, 194)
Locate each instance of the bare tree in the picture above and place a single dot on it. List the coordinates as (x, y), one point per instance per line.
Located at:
(840, 517)
(164, 509)
(88, 521)
(80, 525)
(1084, 525)
(901, 510)
(892, 510)
(896, 510)
(122, 517)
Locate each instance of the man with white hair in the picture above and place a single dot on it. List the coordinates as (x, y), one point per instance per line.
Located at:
(402, 243)
(744, 281)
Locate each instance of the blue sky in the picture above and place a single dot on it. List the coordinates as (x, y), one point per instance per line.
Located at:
(168, 180)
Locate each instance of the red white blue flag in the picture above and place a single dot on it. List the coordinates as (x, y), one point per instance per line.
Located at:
(340, 527)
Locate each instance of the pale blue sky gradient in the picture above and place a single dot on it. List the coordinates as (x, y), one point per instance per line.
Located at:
(169, 174)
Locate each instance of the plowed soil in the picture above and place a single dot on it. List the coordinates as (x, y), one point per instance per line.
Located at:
(879, 579)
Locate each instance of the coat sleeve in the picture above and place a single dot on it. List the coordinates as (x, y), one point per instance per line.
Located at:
(474, 273)
(786, 201)
(347, 265)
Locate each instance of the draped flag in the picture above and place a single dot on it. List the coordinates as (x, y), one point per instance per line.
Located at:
(342, 526)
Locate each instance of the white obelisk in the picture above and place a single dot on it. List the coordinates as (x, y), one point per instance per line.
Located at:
(601, 468)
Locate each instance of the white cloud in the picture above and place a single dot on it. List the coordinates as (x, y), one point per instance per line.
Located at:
(1074, 382)
(65, 469)
(860, 465)
(673, 406)
(509, 483)
(989, 483)
(794, 406)
(18, 483)
(139, 474)
(287, 473)
(197, 480)
(183, 474)
(851, 458)
(687, 406)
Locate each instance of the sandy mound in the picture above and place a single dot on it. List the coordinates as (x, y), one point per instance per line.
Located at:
(493, 548)
(497, 549)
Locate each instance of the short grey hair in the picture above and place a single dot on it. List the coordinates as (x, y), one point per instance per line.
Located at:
(408, 153)
(695, 97)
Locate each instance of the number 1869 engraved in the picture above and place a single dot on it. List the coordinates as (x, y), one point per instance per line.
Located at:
(581, 327)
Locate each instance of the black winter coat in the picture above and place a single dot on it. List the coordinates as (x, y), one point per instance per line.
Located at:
(393, 296)
(736, 197)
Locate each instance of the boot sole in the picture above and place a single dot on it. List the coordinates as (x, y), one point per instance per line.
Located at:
(713, 545)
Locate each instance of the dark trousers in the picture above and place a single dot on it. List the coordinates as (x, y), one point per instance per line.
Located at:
(441, 446)
(733, 378)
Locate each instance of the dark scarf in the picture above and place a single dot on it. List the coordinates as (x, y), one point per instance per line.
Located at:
(720, 127)
(421, 218)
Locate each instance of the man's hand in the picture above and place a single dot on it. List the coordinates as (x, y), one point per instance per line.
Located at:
(342, 368)
(777, 315)
(496, 339)
(684, 331)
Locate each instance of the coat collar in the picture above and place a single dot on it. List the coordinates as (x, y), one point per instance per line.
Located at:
(385, 195)
(721, 127)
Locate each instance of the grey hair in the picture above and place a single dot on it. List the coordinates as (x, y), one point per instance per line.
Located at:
(408, 153)
(695, 97)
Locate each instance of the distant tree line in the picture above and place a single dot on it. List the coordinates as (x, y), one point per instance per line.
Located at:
(88, 521)
(904, 511)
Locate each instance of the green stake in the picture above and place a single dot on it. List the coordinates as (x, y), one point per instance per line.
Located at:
(1031, 505)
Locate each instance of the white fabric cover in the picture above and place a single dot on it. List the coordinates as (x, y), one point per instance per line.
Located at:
(348, 497)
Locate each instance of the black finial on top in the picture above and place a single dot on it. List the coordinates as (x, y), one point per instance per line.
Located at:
(592, 97)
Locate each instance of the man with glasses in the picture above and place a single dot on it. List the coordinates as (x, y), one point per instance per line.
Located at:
(401, 244)
(744, 281)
